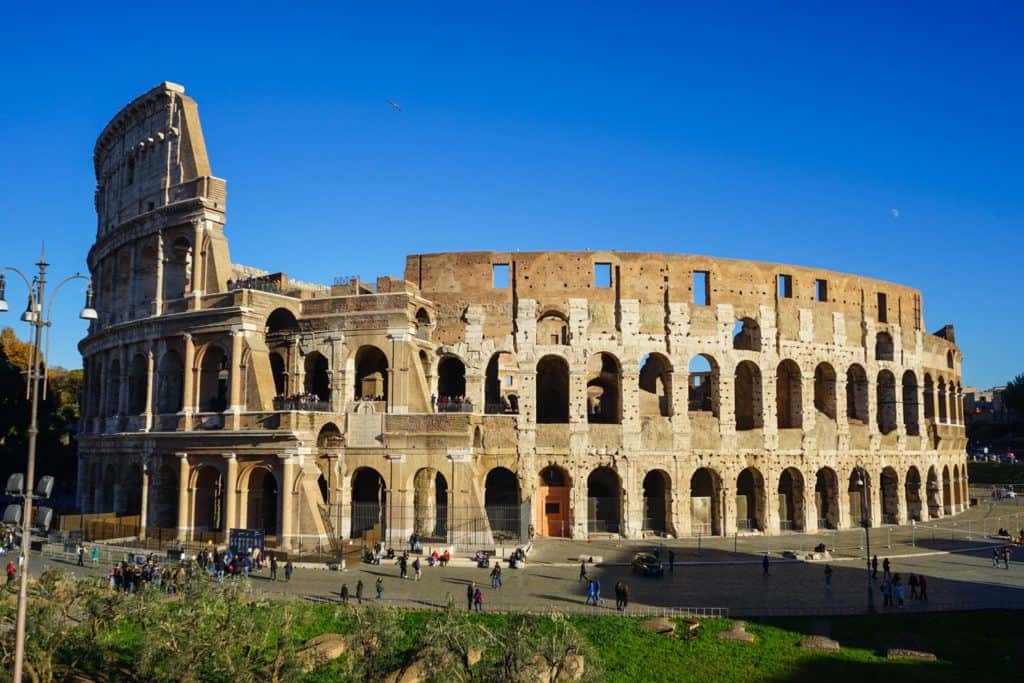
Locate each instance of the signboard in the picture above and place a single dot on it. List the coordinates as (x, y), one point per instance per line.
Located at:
(240, 540)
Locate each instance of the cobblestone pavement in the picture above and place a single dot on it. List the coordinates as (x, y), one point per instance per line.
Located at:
(957, 563)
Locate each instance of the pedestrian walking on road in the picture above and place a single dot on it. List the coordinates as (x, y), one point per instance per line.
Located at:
(765, 562)
(417, 568)
(591, 593)
(886, 592)
(95, 556)
(403, 568)
(886, 573)
(671, 560)
(1006, 557)
(273, 568)
(995, 557)
(478, 600)
(828, 578)
(344, 593)
(597, 591)
(583, 571)
(496, 576)
(913, 583)
(625, 596)
(923, 585)
(288, 569)
(618, 595)
(874, 567)
(11, 571)
(380, 588)
(359, 591)
(470, 593)
(81, 554)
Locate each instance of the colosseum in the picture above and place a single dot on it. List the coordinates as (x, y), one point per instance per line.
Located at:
(485, 397)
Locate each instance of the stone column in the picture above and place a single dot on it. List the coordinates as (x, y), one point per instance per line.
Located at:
(144, 501)
(188, 401)
(773, 526)
(810, 508)
(236, 399)
(183, 491)
(158, 295)
(101, 409)
(727, 507)
(133, 276)
(80, 483)
(287, 504)
(196, 284)
(122, 394)
(231, 492)
(147, 411)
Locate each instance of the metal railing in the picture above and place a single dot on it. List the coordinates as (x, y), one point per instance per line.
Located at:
(314, 405)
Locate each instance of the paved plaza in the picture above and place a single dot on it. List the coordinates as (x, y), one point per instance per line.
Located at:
(956, 561)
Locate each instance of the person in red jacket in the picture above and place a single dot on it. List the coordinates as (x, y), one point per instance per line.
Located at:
(11, 571)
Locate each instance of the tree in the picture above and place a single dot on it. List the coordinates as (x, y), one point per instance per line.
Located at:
(1013, 396)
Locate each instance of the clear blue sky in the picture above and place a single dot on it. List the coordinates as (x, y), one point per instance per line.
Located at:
(779, 134)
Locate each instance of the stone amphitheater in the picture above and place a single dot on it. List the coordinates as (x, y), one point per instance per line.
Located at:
(487, 397)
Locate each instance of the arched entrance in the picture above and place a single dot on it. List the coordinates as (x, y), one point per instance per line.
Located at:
(553, 501)
(792, 510)
(826, 494)
(262, 501)
(603, 504)
(318, 378)
(501, 502)
(131, 492)
(369, 501)
(947, 494)
(552, 390)
(890, 483)
(859, 495)
(957, 491)
(371, 374)
(705, 503)
(604, 389)
(207, 500)
(750, 500)
(913, 493)
(657, 499)
(165, 505)
(655, 385)
(451, 381)
(430, 505)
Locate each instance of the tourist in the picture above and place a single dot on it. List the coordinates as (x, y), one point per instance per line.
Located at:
(618, 595)
(478, 600)
(898, 590)
(434, 558)
(359, 591)
(95, 556)
(764, 565)
(886, 573)
(413, 541)
(828, 578)
(874, 567)
(446, 558)
(496, 576)
(80, 551)
(380, 588)
(273, 568)
(403, 568)
(288, 569)
(591, 593)
(344, 593)
(11, 571)
(470, 592)
(886, 592)
(1006, 557)
(913, 582)
(597, 591)
(583, 571)
(995, 556)
(923, 586)
(625, 596)
(416, 568)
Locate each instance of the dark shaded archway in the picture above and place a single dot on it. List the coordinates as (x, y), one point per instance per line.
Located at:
(208, 500)
(451, 380)
(262, 500)
(604, 389)
(749, 412)
(371, 374)
(657, 501)
(552, 390)
(792, 508)
(890, 490)
(913, 494)
(705, 503)
(502, 504)
(604, 506)
(655, 385)
(826, 494)
(857, 395)
(750, 500)
(318, 376)
(369, 503)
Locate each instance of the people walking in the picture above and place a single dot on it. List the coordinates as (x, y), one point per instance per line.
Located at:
(470, 594)
(618, 595)
(765, 562)
(597, 591)
(922, 584)
(288, 569)
(913, 583)
(359, 591)
(874, 567)
(496, 576)
(828, 578)
(95, 556)
(886, 573)
(80, 551)
(403, 569)
(996, 556)
(591, 593)
(886, 589)
(625, 596)
(344, 593)
(273, 568)
(416, 568)
(380, 588)
(583, 571)
(478, 600)
(11, 571)
(1006, 557)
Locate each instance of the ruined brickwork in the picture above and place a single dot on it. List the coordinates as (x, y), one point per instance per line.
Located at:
(488, 396)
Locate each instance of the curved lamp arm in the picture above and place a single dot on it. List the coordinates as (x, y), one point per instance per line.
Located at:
(46, 322)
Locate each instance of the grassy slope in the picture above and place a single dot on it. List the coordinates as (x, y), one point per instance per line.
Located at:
(980, 644)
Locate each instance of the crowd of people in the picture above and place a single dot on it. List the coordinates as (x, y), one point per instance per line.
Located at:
(451, 404)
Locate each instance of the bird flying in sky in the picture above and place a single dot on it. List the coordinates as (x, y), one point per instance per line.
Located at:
(394, 105)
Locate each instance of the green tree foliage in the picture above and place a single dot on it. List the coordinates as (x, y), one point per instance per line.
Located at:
(1014, 395)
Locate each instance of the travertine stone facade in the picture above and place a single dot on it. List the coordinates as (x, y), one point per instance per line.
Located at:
(490, 395)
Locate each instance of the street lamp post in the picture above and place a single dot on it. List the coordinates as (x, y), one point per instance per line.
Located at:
(34, 316)
(865, 522)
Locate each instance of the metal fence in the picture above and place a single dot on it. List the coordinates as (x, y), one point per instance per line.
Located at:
(461, 525)
(603, 515)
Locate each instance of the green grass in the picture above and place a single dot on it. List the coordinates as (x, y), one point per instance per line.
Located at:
(969, 644)
(995, 473)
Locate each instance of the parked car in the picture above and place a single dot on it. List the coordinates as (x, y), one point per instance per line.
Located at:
(647, 564)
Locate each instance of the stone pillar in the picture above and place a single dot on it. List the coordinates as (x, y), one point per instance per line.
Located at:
(810, 508)
(286, 533)
(236, 400)
(231, 492)
(188, 400)
(144, 500)
(80, 483)
(133, 276)
(158, 295)
(122, 394)
(773, 526)
(101, 409)
(183, 491)
(196, 284)
(875, 500)
(147, 411)
(728, 511)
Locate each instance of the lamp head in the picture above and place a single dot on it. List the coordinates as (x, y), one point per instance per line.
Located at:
(88, 312)
(3, 300)
(29, 316)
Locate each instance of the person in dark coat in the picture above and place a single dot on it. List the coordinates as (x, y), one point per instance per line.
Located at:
(344, 593)
(470, 592)
(359, 591)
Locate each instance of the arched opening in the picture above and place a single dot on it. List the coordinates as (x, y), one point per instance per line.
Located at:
(371, 374)
(214, 377)
(262, 501)
(553, 493)
(165, 493)
(826, 494)
(657, 500)
(145, 276)
(933, 489)
(502, 504)
(856, 395)
(890, 484)
(451, 384)
(369, 504)
(114, 388)
(318, 377)
(171, 376)
(603, 502)
(277, 371)
(791, 500)
(604, 390)
(913, 492)
(177, 269)
(910, 403)
(750, 500)
(952, 393)
(788, 395)
(324, 488)
(825, 390)
(430, 505)
(422, 324)
(947, 493)
(552, 390)
(281, 324)
(957, 502)
(886, 397)
(702, 385)
(929, 397)
(131, 492)
(705, 503)
(107, 497)
(329, 439)
(500, 383)
(746, 335)
(883, 346)
(655, 385)
(950, 360)
(943, 415)
(552, 329)
(859, 495)
(208, 500)
(749, 413)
